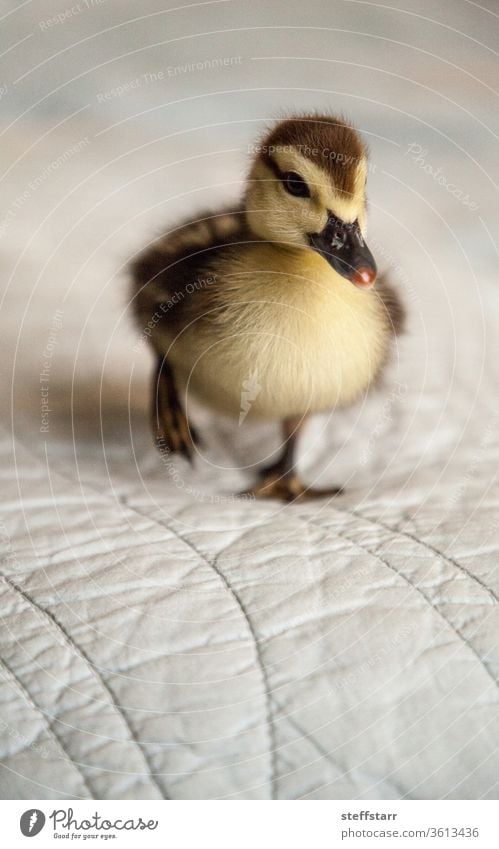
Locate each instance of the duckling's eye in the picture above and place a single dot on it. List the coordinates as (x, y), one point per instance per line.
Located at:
(295, 185)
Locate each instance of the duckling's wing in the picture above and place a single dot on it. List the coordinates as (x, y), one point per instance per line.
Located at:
(179, 264)
(169, 279)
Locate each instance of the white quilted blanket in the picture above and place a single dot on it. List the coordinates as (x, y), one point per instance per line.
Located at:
(160, 638)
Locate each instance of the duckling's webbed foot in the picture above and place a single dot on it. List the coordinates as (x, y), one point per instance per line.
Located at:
(280, 479)
(170, 426)
(288, 487)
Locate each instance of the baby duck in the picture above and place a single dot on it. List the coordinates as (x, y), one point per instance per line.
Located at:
(268, 310)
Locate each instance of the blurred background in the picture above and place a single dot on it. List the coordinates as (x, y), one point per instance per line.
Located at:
(118, 119)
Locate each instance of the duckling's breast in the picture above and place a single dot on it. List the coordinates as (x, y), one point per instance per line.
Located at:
(284, 335)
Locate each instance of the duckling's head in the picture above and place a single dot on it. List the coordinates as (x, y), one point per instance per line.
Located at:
(307, 189)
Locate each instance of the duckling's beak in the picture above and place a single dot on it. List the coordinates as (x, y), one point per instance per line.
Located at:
(343, 246)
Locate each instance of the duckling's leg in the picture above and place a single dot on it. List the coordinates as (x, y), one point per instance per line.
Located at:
(280, 480)
(170, 426)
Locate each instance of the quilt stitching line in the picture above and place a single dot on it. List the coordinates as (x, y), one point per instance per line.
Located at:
(376, 522)
(49, 725)
(230, 589)
(69, 479)
(397, 531)
(258, 654)
(265, 680)
(93, 669)
(428, 601)
(424, 544)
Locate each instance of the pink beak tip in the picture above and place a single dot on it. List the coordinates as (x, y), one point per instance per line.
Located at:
(364, 277)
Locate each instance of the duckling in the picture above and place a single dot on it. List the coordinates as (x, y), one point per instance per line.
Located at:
(268, 311)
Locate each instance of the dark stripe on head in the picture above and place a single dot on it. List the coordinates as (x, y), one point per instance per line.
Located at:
(328, 142)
